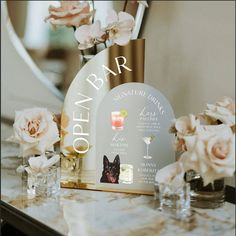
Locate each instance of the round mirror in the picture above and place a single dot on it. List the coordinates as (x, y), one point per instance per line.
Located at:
(55, 51)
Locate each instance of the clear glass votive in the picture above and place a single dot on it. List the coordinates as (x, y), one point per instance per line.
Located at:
(44, 183)
(174, 199)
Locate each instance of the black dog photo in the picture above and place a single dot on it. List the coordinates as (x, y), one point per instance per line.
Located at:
(111, 170)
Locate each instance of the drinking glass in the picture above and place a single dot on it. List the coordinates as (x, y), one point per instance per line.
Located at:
(117, 120)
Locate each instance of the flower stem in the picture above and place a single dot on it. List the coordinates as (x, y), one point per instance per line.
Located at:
(105, 44)
(82, 53)
(93, 4)
(95, 49)
(125, 5)
(93, 9)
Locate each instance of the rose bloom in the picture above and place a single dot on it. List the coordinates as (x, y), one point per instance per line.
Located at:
(221, 112)
(185, 125)
(35, 131)
(70, 13)
(119, 27)
(211, 153)
(179, 145)
(41, 163)
(227, 103)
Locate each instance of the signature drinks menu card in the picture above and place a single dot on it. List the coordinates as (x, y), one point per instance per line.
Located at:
(132, 139)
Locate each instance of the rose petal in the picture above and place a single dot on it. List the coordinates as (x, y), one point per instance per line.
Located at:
(51, 161)
(37, 162)
(44, 135)
(201, 156)
(49, 138)
(74, 20)
(70, 13)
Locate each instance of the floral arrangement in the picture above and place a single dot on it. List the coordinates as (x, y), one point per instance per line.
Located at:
(89, 33)
(206, 143)
(36, 131)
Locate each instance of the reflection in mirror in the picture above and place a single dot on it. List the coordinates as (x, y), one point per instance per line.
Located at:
(55, 51)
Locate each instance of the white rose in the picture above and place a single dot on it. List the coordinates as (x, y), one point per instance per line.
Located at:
(179, 145)
(227, 103)
(211, 153)
(185, 125)
(41, 163)
(35, 131)
(70, 13)
(223, 111)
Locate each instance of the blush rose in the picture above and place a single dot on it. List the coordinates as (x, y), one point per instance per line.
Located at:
(35, 131)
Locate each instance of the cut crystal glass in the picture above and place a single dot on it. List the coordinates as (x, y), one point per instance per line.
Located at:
(174, 199)
(44, 184)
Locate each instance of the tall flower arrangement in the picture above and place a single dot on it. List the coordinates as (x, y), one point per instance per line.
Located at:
(89, 33)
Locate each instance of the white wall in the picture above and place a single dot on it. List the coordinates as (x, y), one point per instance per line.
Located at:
(190, 51)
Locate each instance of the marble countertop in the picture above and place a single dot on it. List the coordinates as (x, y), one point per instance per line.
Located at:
(76, 212)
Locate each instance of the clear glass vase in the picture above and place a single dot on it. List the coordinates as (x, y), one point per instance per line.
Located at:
(24, 174)
(210, 196)
(44, 184)
(174, 199)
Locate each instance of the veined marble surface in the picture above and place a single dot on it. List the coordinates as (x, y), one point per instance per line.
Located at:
(82, 212)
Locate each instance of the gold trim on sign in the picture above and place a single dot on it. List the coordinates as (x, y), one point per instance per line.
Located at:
(83, 186)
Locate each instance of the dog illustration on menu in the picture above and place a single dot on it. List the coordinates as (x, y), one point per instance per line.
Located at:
(111, 170)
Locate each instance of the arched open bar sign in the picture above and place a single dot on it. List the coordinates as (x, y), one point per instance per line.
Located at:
(114, 127)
